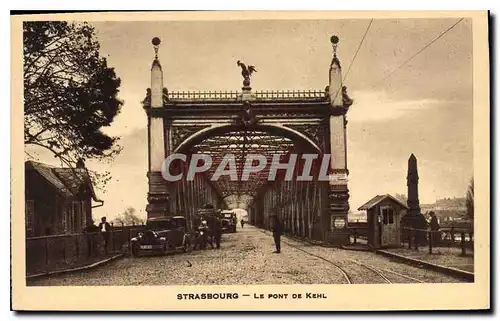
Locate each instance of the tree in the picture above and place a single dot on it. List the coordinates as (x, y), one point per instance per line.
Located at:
(70, 93)
(469, 199)
(128, 217)
(402, 198)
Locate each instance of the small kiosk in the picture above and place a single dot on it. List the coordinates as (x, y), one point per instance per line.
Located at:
(384, 214)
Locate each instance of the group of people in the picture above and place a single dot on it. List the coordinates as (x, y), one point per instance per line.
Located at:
(208, 231)
(212, 232)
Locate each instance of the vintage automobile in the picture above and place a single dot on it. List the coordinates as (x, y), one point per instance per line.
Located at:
(163, 235)
(228, 221)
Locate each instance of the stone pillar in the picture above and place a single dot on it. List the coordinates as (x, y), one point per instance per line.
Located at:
(157, 195)
(414, 217)
(338, 193)
(412, 183)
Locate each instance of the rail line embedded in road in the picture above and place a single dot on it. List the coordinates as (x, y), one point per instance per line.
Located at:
(373, 269)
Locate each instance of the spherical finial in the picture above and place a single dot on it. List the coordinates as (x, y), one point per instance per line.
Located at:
(334, 40)
(156, 44)
(156, 41)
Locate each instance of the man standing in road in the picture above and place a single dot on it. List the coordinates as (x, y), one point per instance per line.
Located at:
(105, 229)
(217, 230)
(276, 228)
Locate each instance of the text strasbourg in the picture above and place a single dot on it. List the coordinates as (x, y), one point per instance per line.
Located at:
(207, 296)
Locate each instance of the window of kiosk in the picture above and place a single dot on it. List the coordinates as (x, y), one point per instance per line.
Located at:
(384, 216)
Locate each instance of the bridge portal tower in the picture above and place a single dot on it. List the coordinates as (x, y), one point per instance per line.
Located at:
(306, 121)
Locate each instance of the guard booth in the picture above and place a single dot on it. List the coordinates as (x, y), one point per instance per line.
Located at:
(384, 214)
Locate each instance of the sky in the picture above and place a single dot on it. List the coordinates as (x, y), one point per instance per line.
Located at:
(423, 108)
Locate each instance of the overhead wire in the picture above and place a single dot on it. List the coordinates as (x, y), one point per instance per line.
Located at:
(418, 52)
(357, 51)
(355, 55)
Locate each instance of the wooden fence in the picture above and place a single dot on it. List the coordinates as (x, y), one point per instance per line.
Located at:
(56, 252)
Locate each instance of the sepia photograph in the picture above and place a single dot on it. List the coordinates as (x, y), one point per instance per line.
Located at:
(220, 156)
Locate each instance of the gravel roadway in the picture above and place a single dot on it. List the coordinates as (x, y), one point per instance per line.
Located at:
(246, 257)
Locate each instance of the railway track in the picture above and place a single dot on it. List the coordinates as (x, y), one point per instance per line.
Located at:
(344, 273)
(380, 272)
(373, 269)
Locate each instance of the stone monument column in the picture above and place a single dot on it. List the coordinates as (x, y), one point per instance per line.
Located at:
(157, 195)
(338, 193)
(414, 217)
(412, 182)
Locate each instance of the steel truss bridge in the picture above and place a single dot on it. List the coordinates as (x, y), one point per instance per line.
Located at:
(245, 123)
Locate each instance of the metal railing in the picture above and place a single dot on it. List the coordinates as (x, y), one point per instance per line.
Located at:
(259, 95)
(290, 94)
(358, 230)
(358, 233)
(457, 238)
(56, 252)
(203, 95)
(417, 238)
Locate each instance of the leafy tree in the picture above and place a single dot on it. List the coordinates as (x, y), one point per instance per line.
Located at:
(469, 199)
(128, 217)
(402, 198)
(70, 93)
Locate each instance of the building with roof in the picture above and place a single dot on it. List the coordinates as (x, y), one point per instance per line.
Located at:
(384, 213)
(447, 209)
(58, 200)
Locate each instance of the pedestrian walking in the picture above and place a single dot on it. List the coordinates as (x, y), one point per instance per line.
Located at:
(276, 228)
(242, 223)
(217, 231)
(105, 229)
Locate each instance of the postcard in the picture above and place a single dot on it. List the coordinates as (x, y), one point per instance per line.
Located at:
(250, 161)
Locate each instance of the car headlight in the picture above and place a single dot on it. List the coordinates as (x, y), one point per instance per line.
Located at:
(201, 233)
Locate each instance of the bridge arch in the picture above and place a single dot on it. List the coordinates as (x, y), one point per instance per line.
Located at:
(258, 195)
(280, 130)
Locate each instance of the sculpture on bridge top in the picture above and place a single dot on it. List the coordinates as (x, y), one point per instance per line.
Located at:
(247, 117)
(246, 72)
(348, 101)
